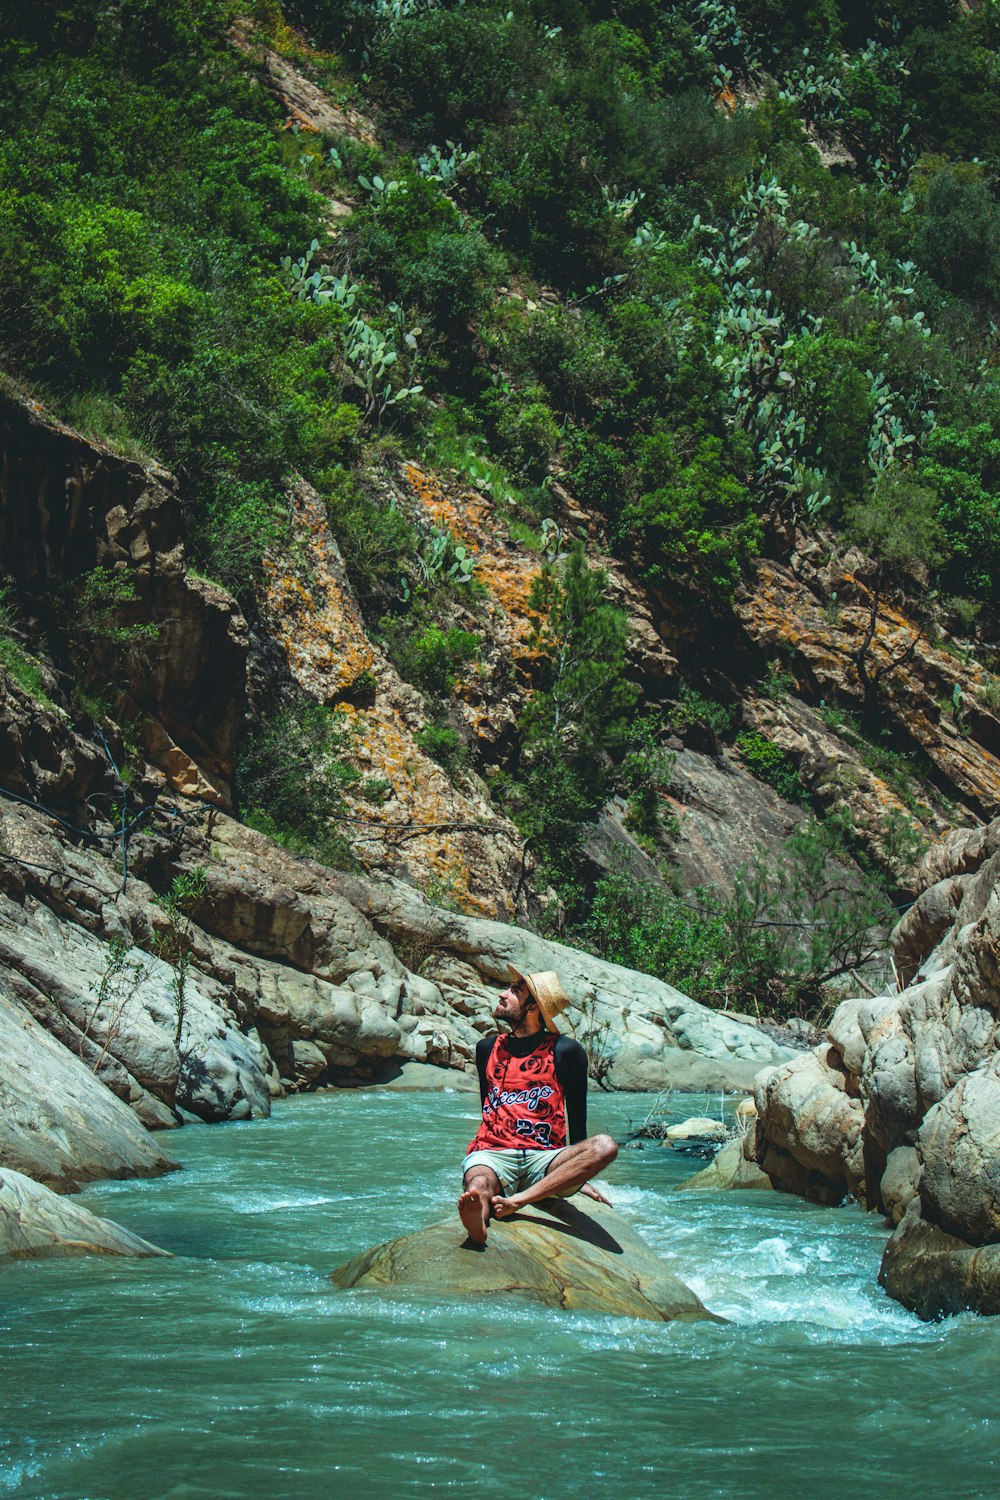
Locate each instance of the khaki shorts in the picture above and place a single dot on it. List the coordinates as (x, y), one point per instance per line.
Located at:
(516, 1169)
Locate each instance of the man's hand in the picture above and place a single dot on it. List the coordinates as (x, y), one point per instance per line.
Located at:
(589, 1191)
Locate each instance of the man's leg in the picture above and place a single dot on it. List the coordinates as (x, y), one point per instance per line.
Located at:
(479, 1189)
(572, 1168)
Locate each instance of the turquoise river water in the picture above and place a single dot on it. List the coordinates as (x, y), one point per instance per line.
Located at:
(238, 1370)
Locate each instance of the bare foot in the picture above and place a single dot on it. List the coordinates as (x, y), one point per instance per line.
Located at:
(472, 1212)
(504, 1207)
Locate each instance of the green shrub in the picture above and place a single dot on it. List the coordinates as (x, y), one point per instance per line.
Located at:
(793, 922)
(959, 239)
(424, 253)
(19, 664)
(376, 539)
(434, 659)
(444, 745)
(527, 436)
(290, 778)
(576, 723)
(767, 760)
(693, 708)
(698, 524)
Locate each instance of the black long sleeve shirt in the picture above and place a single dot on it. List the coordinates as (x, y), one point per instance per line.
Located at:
(571, 1074)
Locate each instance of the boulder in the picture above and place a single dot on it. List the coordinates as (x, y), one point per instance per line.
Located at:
(68, 504)
(116, 1008)
(58, 1123)
(959, 1143)
(698, 1128)
(730, 1169)
(900, 1105)
(586, 1260)
(784, 611)
(413, 1077)
(900, 1182)
(809, 1128)
(935, 1274)
(34, 1222)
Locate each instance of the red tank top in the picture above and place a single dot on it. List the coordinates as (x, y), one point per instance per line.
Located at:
(524, 1104)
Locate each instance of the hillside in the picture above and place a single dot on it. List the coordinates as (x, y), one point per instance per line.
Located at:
(566, 484)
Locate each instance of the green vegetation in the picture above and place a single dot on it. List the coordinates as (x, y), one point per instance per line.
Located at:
(581, 261)
(434, 659)
(15, 659)
(693, 708)
(768, 761)
(172, 941)
(290, 781)
(444, 745)
(576, 724)
(793, 923)
(734, 332)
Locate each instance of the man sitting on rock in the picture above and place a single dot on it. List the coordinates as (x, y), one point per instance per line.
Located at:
(532, 1082)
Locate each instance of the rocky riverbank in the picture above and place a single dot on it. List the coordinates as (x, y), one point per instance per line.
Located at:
(899, 1105)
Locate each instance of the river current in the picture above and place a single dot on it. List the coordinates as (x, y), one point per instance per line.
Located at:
(238, 1370)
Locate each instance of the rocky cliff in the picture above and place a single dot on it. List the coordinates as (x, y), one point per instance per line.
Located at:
(159, 960)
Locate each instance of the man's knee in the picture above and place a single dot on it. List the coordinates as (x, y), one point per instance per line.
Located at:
(480, 1182)
(604, 1150)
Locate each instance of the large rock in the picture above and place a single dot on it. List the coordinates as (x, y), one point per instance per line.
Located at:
(552, 1252)
(900, 1105)
(58, 1123)
(68, 506)
(959, 1144)
(936, 1274)
(785, 612)
(731, 1168)
(36, 1222)
(117, 1008)
(809, 1128)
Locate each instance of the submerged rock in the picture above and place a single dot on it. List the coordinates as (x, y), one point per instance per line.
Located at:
(587, 1260)
(36, 1222)
(730, 1169)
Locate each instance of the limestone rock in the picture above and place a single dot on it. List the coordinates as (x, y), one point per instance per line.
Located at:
(900, 1182)
(35, 1222)
(732, 1168)
(307, 105)
(809, 1129)
(698, 1128)
(959, 1144)
(66, 504)
(936, 1274)
(587, 1260)
(725, 816)
(119, 1014)
(418, 1076)
(443, 835)
(651, 1035)
(902, 1102)
(58, 1123)
(786, 612)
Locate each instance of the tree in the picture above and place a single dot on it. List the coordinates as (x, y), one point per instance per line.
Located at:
(578, 717)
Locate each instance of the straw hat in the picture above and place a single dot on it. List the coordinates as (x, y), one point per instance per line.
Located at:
(547, 993)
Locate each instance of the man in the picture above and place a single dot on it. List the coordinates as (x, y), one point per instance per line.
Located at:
(531, 1083)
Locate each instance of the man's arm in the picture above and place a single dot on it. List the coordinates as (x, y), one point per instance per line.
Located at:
(571, 1071)
(483, 1050)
